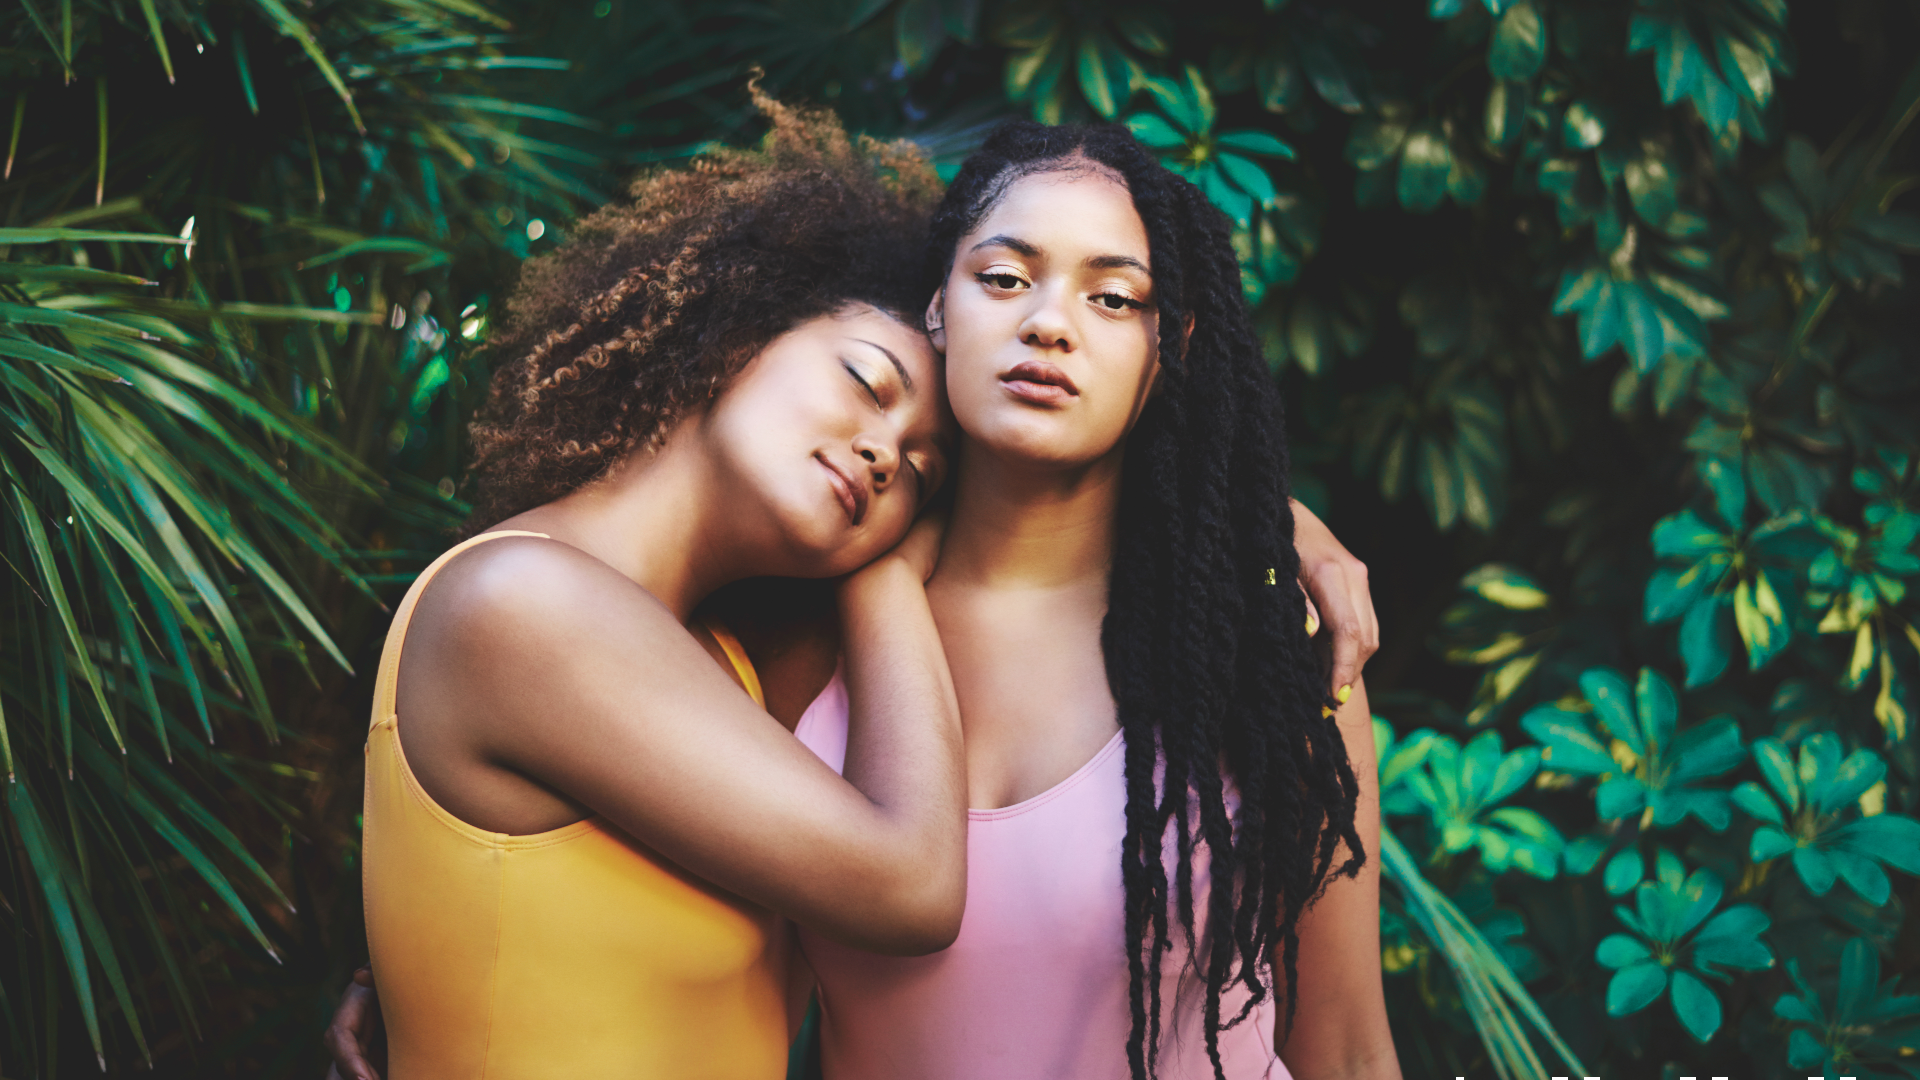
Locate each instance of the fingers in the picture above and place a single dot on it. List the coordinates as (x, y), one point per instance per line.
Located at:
(354, 1022)
(1340, 589)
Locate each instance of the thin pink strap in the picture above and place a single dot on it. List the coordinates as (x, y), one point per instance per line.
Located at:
(384, 686)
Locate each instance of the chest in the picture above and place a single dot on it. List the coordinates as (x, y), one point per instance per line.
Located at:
(1032, 685)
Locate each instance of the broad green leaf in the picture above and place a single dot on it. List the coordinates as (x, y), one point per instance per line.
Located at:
(1623, 872)
(1753, 799)
(1862, 874)
(1024, 68)
(1582, 127)
(1621, 950)
(1619, 796)
(1705, 642)
(1105, 76)
(1749, 72)
(1601, 322)
(1519, 44)
(1706, 749)
(1732, 939)
(1140, 33)
(1658, 708)
(1634, 988)
(1815, 869)
(1861, 770)
(1329, 76)
(1891, 838)
(1567, 745)
(1650, 184)
(1256, 143)
(1758, 616)
(1641, 334)
(1151, 129)
(1425, 162)
(1247, 176)
(1613, 705)
(1695, 1005)
(1777, 769)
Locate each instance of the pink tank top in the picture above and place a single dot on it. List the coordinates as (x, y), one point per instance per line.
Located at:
(1035, 987)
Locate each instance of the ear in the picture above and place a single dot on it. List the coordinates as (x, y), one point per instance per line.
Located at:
(936, 320)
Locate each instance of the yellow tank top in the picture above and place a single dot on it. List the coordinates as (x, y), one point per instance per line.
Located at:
(573, 953)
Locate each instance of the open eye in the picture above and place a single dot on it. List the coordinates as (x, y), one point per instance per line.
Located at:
(1117, 302)
(1000, 281)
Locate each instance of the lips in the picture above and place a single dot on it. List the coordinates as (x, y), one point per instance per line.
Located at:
(1039, 382)
(852, 494)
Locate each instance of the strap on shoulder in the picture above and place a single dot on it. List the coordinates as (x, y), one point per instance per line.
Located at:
(737, 656)
(384, 685)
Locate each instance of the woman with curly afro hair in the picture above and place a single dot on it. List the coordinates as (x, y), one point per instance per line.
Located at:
(580, 862)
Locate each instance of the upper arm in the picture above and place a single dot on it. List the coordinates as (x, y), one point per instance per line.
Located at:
(1340, 1020)
(570, 674)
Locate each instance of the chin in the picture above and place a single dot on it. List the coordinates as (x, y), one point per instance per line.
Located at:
(1027, 434)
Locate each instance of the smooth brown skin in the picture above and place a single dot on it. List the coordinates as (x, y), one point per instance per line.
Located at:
(547, 679)
(1020, 587)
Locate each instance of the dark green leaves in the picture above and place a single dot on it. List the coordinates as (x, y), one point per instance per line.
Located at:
(1519, 44)
(1663, 952)
(1228, 167)
(1460, 789)
(1641, 756)
(1864, 1026)
(1718, 579)
(1812, 816)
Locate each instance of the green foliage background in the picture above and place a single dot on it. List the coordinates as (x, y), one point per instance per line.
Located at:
(1587, 313)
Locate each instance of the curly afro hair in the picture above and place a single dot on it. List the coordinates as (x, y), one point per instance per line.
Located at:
(657, 300)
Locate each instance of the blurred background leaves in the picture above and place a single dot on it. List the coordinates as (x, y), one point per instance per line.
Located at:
(1587, 315)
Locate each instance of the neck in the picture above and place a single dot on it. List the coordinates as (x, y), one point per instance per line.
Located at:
(1019, 526)
(653, 518)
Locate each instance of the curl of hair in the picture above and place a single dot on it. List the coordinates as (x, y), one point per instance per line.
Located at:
(1210, 666)
(657, 300)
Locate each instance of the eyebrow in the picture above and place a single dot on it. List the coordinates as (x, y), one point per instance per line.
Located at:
(1096, 262)
(905, 378)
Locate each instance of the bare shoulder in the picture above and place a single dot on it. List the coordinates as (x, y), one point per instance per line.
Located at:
(525, 585)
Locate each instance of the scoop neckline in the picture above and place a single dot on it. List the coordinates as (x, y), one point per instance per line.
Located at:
(1034, 802)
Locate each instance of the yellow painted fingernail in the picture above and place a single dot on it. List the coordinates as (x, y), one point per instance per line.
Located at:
(1312, 625)
(1343, 694)
(1325, 712)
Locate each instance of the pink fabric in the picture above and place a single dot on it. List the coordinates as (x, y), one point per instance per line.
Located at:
(1035, 988)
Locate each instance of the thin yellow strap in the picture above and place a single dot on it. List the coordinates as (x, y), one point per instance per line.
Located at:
(737, 656)
(383, 692)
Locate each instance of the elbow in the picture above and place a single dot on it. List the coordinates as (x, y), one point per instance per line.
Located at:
(921, 916)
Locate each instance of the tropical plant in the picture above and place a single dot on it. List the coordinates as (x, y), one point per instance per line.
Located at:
(1868, 1030)
(1588, 316)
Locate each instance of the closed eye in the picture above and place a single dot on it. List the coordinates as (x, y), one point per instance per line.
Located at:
(864, 384)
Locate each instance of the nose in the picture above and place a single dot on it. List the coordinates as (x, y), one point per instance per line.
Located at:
(882, 456)
(1046, 325)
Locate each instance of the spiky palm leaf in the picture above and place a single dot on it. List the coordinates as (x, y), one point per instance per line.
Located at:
(240, 248)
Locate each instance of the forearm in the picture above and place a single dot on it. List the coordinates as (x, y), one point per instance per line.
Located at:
(1340, 1029)
(904, 748)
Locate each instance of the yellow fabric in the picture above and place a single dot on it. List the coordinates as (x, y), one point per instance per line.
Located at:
(572, 953)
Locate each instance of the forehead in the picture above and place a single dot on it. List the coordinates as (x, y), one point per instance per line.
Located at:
(864, 322)
(1068, 210)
